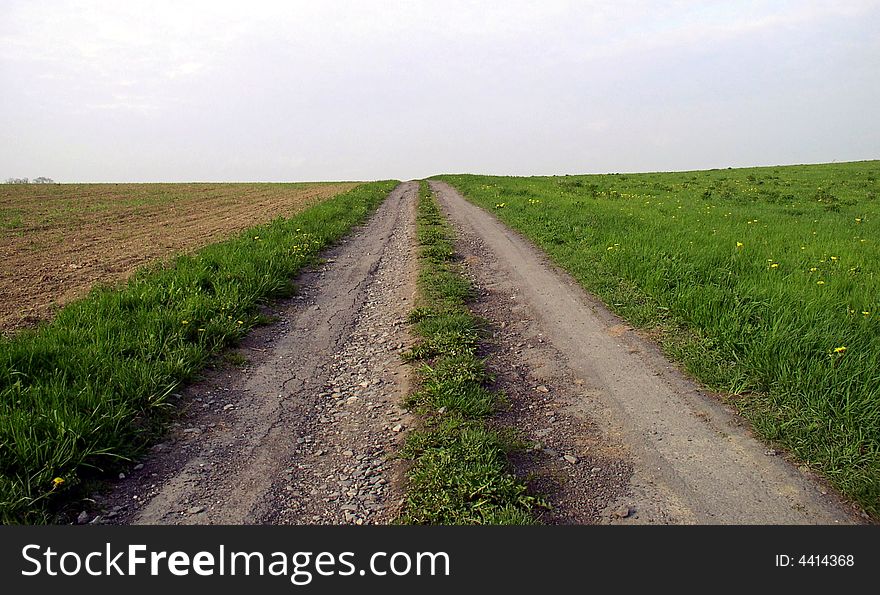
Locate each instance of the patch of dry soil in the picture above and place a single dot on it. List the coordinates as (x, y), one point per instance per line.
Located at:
(73, 236)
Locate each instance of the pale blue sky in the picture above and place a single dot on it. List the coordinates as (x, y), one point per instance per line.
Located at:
(225, 91)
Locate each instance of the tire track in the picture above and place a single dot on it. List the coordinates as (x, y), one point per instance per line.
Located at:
(692, 460)
(318, 401)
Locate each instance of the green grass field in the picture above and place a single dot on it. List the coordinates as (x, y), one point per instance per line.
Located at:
(763, 282)
(88, 390)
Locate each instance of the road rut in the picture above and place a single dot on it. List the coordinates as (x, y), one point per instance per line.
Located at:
(691, 460)
(305, 433)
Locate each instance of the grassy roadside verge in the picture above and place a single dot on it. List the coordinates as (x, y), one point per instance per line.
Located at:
(460, 473)
(763, 282)
(90, 388)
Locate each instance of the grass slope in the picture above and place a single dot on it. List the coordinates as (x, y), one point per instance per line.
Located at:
(764, 282)
(460, 473)
(89, 389)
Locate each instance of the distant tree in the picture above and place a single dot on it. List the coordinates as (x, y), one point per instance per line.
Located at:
(40, 180)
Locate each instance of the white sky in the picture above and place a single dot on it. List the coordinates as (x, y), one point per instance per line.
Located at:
(332, 90)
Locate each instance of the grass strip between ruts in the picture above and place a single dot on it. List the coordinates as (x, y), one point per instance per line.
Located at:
(460, 472)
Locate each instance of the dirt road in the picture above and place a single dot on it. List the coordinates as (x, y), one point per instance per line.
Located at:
(303, 434)
(306, 432)
(689, 459)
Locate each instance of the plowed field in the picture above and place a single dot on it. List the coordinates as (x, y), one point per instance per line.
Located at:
(59, 240)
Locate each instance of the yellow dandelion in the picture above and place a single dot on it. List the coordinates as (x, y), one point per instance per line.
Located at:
(184, 322)
(775, 265)
(813, 269)
(239, 322)
(858, 219)
(833, 258)
(57, 482)
(739, 244)
(865, 313)
(820, 282)
(840, 349)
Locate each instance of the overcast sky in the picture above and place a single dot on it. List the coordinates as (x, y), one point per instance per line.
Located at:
(331, 90)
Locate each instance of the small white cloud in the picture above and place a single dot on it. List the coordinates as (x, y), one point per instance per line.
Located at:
(124, 103)
(185, 69)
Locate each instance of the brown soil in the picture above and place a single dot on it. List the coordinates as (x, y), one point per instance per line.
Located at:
(60, 240)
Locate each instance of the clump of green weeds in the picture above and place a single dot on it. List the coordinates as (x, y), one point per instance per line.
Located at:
(460, 471)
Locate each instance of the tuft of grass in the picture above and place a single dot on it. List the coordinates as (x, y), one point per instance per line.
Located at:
(456, 383)
(460, 474)
(88, 390)
(763, 282)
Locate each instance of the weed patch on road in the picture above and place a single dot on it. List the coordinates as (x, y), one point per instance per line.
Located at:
(460, 474)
